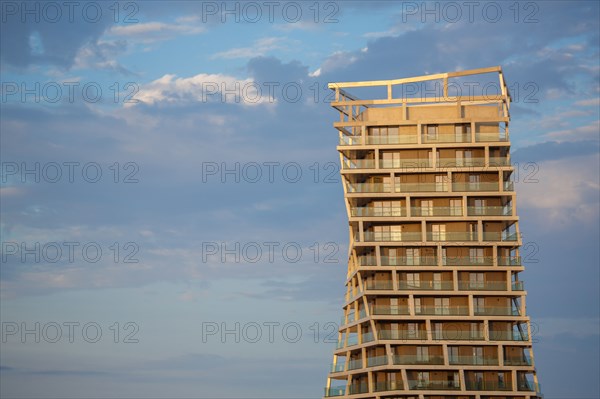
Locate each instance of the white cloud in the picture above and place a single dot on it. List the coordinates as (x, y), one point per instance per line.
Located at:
(258, 48)
(565, 191)
(579, 327)
(154, 31)
(202, 88)
(586, 132)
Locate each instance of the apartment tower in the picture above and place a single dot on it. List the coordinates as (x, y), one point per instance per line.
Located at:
(434, 305)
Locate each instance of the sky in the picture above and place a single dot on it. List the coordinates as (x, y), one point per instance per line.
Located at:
(172, 217)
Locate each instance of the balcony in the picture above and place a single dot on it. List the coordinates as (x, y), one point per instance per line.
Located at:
(517, 286)
(355, 364)
(367, 337)
(468, 261)
(367, 260)
(489, 211)
(472, 162)
(500, 236)
(402, 139)
(490, 137)
(380, 310)
(517, 361)
(404, 163)
(402, 335)
(458, 335)
(379, 284)
(368, 188)
(421, 187)
(355, 389)
(350, 140)
(336, 368)
(509, 261)
(482, 285)
(392, 236)
(337, 391)
(496, 311)
(358, 164)
(473, 360)
(478, 186)
(508, 336)
(442, 311)
(426, 285)
(433, 385)
(488, 386)
(364, 211)
(451, 236)
(414, 359)
(529, 386)
(447, 138)
(388, 386)
(409, 260)
(436, 211)
(377, 361)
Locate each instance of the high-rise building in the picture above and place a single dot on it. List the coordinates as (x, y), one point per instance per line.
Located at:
(434, 305)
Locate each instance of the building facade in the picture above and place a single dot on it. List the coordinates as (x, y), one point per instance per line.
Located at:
(434, 306)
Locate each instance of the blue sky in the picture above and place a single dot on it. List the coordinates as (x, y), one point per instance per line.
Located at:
(146, 183)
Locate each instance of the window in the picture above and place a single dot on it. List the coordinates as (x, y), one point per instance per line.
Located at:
(442, 306)
(476, 281)
(455, 207)
(438, 232)
(413, 280)
(423, 354)
(417, 306)
(476, 256)
(412, 256)
(432, 132)
(426, 208)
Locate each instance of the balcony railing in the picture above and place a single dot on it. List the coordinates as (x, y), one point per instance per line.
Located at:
(402, 334)
(442, 310)
(458, 335)
(517, 286)
(369, 188)
(473, 360)
(381, 310)
(472, 162)
(451, 236)
(509, 261)
(495, 311)
(437, 211)
(490, 137)
(392, 236)
(350, 140)
(482, 285)
(421, 187)
(337, 391)
(409, 260)
(355, 364)
(499, 236)
(414, 359)
(488, 385)
(447, 138)
(377, 361)
(426, 285)
(508, 336)
(367, 337)
(479, 186)
(387, 386)
(517, 361)
(358, 388)
(489, 211)
(358, 164)
(379, 285)
(468, 261)
(336, 368)
(433, 384)
(364, 211)
(529, 386)
(401, 139)
(407, 163)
